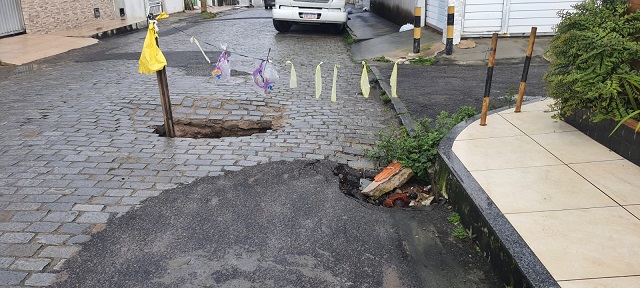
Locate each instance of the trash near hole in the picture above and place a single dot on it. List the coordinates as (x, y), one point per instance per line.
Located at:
(393, 187)
(215, 128)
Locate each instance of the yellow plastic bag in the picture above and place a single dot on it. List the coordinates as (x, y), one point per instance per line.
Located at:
(151, 58)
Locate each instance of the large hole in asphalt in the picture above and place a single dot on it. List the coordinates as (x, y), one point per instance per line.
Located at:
(215, 128)
(413, 193)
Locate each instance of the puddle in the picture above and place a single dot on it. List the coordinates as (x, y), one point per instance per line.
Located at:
(215, 128)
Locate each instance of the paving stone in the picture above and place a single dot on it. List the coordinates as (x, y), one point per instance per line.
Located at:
(88, 207)
(6, 261)
(41, 279)
(93, 217)
(21, 250)
(16, 238)
(57, 206)
(28, 216)
(118, 193)
(78, 239)
(23, 206)
(30, 264)
(59, 251)
(51, 239)
(13, 226)
(42, 227)
(61, 216)
(11, 278)
(74, 228)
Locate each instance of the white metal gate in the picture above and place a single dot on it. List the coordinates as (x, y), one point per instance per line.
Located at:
(482, 16)
(523, 14)
(437, 13)
(512, 17)
(11, 21)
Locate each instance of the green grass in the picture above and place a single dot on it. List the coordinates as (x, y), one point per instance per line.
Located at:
(454, 218)
(385, 98)
(348, 38)
(381, 59)
(208, 15)
(422, 61)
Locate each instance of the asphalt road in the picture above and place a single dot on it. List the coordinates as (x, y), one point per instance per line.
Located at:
(428, 90)
(281, 224)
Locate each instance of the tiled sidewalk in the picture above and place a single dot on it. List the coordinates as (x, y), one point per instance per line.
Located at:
(574, 202)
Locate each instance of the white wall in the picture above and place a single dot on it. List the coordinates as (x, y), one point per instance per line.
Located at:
(134, 9)
(173, 6)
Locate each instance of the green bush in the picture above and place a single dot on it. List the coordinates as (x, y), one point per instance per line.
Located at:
(591, 60)
(417, 150)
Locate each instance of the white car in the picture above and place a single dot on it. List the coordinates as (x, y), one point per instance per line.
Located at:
(309, 12)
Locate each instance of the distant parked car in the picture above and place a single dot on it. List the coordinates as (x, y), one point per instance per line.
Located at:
(269, 4)
(309, 12)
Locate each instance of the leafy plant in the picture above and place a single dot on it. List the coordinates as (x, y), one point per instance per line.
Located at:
(208, 15)
(422, 61)
(591, 54)
(385, 98)
(347, 37)
(510, 96)
(381, 59)
(418, 149)
(454, 218)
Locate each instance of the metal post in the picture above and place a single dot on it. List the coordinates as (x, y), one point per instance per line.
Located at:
(525, 71)
(165, 101)
(450, 22)
(416, 29)
(487, 84)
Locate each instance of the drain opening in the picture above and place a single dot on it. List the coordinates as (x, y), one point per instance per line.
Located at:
(215, 128)
(412, 193)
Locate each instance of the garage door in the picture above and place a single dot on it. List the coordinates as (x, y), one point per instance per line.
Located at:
(11, 21)
(482, 17)
(437, 13)
(523, 14)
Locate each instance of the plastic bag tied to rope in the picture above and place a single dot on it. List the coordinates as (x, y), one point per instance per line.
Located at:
(318, 81)
(293, 81)
(394, 80)
(265, 76)
(151, 59)
(335, 80)
(364, 81)
(222, 71)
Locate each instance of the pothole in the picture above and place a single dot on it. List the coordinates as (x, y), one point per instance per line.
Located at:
(412, 193)
(215, 128)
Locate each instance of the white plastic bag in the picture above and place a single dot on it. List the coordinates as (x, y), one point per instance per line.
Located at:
(406, 27)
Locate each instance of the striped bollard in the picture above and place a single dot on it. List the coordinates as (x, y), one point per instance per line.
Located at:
(416, 29)
(525, 71)
(487, 84)
(449, 44)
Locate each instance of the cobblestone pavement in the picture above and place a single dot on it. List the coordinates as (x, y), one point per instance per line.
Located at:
(77, 147)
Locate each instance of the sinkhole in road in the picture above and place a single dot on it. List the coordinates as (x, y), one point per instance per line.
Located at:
(215, 128)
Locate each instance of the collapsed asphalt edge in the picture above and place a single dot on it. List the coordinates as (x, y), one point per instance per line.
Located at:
(398, 106)
(511, 258)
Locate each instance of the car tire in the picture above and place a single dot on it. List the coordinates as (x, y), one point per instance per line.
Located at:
(282, 26)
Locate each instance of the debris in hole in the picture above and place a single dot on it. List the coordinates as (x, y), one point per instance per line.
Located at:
(215, 128)
(396, 187)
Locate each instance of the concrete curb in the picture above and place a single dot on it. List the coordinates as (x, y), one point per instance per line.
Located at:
(398, 106)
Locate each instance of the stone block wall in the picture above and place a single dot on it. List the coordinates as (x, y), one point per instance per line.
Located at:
(42, 17)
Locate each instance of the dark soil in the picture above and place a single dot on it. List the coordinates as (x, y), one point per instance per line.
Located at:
(215, 128)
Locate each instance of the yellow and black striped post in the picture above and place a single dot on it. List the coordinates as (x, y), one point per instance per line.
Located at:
(416, 29)
(525, 71)
(449, 44)
(487, 84)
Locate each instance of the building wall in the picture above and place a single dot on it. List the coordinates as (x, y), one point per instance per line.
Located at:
(43, 17)
(173, 6)
(397, 11)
